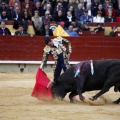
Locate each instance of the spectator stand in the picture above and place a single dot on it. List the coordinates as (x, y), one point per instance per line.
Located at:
(9, 24)
(109, 26)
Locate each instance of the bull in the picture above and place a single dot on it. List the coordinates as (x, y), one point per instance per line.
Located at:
(88, 76)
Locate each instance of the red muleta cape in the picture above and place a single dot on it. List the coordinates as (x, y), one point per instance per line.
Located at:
(40, 90)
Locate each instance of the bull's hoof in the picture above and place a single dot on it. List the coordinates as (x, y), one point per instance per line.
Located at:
(117, 101)
(92, 98)
(82, 99)
(73, 100)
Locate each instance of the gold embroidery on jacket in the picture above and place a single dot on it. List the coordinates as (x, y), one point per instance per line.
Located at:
(55, 51)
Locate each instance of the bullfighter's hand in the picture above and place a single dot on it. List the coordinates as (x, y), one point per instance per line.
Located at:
(49, 84)
(41, 66)
(68, 56)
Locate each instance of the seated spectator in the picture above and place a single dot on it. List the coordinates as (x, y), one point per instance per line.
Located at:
(88, 7)
(69, 17)
(83, 2)
(17, 17)
(12, 3)
(17, 14)
(44, 3)
(106, 4)
(64, 4)
(59, 7)
(63, 25)
(88, 1)
(47, 18)
(85, 27)
(37, 23)
(113, 32)
(71, 10)
(60, 17)
(110, 9)
(71, 32)
(78, 12)
(98, 28)
(4, 7)
(100, 8)
(38, 7)
(21, 32)
(28, 9)
(47, 31)
(94, 7)
(48, 8)
(98, 18)
(86, 17)
(115, 3)
(4, 16)
(31, 4)
(26, 16)
(101, 1)
(76, 27)
(4, 30)
(118, 11)
(110, 18)
(73, 3)
(13, 8)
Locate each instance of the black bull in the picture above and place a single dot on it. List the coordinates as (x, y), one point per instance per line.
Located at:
(106, 74)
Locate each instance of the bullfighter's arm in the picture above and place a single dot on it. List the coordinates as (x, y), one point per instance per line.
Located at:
(66, 42)
(45, 56)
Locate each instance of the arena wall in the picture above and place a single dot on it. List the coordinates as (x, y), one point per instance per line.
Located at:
(27, 51)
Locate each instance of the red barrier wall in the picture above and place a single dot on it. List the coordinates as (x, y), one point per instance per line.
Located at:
(83, 48)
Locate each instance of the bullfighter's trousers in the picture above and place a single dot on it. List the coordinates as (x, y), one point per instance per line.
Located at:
(59, 66)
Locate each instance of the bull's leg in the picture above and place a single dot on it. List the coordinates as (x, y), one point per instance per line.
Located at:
(118, 100)
(80, 83)
(119, 88)
(116, 87)
(71, 96)
(107, 86)
(104, 90)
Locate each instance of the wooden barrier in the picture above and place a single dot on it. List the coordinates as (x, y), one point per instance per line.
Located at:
(91, 33)
(83, 48)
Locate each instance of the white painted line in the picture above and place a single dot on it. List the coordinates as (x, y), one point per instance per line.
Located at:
(30, 62)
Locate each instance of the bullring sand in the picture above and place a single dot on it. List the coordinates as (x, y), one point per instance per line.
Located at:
(16, 102)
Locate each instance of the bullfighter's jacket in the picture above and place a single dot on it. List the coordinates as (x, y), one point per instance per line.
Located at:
(57, 49)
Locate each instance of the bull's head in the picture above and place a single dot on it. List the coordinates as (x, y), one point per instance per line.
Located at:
(58, 91)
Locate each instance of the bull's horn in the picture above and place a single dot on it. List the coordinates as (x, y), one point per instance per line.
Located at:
(49, 84)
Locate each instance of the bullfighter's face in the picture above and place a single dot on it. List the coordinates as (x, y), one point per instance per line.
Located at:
(58, 92)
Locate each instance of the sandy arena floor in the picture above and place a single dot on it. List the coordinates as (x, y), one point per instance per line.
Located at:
(16, 103)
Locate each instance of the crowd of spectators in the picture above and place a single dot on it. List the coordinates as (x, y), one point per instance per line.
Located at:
(70, 12)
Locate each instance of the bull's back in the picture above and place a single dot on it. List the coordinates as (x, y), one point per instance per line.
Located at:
(103, 69)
